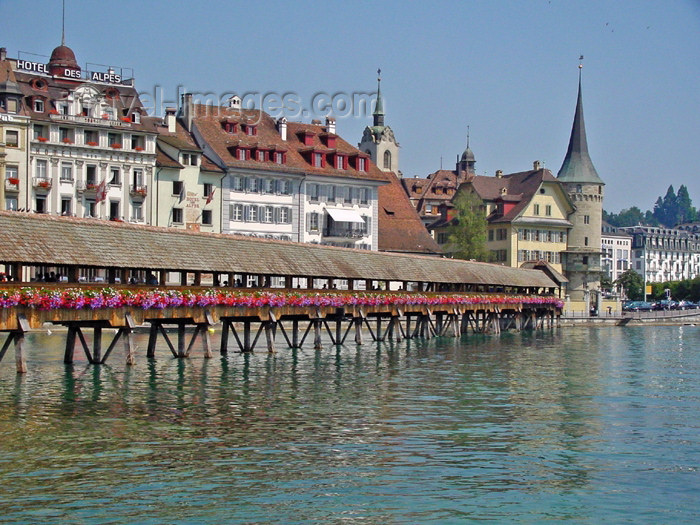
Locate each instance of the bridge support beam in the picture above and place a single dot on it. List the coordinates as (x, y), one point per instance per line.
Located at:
(17, 337)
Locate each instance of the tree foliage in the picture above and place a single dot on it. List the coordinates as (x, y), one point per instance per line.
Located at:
(632, 283)
(467, 232)
(670, 210)
(688, 289)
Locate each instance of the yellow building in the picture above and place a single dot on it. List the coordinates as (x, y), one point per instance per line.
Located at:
(527, 216)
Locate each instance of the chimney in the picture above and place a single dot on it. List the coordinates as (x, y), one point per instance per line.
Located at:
(330, 125)
(186, 108)
(499, 174)
(3, 53)
(282, 127)
(170, 119)
(536, 165)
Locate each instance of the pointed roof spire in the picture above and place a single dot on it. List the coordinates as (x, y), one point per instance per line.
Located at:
(63, 25)
(379, 107)
(577, 165)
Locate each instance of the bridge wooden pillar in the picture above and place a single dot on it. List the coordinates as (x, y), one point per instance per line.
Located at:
(163, 277)
(183, 278)
(17, 337)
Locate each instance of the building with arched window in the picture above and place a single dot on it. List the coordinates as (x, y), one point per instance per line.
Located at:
(378, 140)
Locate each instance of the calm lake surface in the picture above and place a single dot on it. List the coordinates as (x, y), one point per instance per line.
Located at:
(575, 425)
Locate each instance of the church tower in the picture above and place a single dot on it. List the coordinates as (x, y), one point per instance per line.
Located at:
(466, 164)
(378, 140)
(585, 188)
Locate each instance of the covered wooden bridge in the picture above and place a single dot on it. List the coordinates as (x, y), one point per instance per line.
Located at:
(421, 296)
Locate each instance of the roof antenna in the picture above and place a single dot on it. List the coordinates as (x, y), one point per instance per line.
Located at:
(63, 25)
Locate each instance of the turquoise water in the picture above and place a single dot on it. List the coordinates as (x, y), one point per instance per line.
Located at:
(578, 425)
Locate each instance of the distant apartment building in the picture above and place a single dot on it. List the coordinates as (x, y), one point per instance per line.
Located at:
(616, 246)
(664, 254)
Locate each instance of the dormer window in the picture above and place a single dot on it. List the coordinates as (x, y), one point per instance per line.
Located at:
(318, 160)
(340, 162)
(361, 164)
(307, 137)
(136, 117)
(63, 109)
(241, 154)
(229, 127)
(279, 157)
(251, 130)
(261, 156)
(38, 105)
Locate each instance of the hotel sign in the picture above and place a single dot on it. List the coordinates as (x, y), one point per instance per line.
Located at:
(68, 72)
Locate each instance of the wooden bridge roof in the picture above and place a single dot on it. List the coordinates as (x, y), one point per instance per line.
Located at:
(32, 239)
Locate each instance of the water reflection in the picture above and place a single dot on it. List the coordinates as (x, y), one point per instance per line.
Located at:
(559, 425)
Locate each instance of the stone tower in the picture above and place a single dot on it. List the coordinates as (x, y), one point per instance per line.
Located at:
(378, 140)
(585, 187)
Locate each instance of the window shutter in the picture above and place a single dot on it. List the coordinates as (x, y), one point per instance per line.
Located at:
(289, 216)
(277, 215)
(368, 222)
(230, 212)
(322, 193)
(308, 222)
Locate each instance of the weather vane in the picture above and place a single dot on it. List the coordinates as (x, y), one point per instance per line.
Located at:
(379, 74)
(580, 62)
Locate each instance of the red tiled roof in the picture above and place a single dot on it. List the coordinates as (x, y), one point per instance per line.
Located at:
(163, 160)
(400, 227)
(208, 121)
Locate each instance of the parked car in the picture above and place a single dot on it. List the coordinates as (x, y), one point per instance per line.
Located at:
(637, 306)
(666, 304)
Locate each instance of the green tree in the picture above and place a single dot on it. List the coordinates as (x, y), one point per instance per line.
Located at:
(632, 283)
(629, 217)
(467, 232)
(684, 206)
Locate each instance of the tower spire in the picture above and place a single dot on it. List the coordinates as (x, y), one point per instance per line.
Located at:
(379, 106)
(63, 24)
(577, 165)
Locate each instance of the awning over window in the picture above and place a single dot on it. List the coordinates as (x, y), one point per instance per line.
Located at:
(339, 215)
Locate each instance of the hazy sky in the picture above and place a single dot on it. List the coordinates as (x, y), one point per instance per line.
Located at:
(507, 69)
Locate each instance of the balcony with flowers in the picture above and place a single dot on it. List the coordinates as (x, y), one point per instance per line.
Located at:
(41, 183)
(138, 191)
(89, 186)
(12, 184)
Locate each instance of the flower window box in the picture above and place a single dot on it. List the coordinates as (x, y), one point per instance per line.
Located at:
(125, 119)
(44, 184)
(116, 145)
(42, 139)
(53, 112)
(92, 143)
(67, 141)
(13, 180)
(138, 148)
